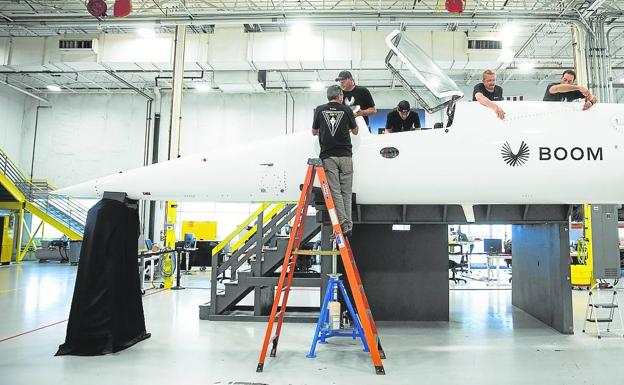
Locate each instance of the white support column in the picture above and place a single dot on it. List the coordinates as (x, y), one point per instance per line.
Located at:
(175, 119)
(580, 54)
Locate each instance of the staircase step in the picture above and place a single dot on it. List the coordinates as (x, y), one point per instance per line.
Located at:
(607, 305)
(599, 320)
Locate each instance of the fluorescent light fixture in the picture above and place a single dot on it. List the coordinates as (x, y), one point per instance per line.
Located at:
(506, 55)
(300, 28)
(526, 66)
(401, 227)
(202, 87)
(53, 87)
(317, 86)
(508, 33)
(146, 32)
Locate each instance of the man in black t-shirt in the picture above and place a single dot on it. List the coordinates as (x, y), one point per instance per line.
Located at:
(402, 119)
(487, 92)
(356, 96)
(333, 123)
(567, 91)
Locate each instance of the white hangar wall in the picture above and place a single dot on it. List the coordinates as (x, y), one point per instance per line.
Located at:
(12, 107)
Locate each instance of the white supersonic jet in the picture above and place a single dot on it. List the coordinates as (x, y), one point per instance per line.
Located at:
(541, 153)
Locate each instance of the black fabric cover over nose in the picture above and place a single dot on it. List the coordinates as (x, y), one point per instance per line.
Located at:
(107, 311)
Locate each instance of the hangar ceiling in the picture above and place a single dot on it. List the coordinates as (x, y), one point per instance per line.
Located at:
(544, 36)
(22, 10)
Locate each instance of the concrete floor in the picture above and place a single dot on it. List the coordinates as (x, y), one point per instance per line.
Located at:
(486, 342)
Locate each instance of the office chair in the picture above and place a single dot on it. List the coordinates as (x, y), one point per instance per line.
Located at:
(508, 262)
(453, 268)
(465, 245)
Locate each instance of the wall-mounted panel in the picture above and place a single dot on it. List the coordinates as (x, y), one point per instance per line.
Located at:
(131, 48)
(228, 49)
(268, 50)
(27, 51)
(5, 45)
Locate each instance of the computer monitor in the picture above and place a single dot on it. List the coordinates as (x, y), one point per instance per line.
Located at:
(189, 241)
(493, 245)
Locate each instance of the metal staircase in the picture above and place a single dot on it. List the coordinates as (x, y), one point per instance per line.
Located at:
(253, 267)
(62, 213)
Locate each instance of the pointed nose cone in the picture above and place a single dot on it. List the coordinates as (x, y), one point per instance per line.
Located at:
(82, 190)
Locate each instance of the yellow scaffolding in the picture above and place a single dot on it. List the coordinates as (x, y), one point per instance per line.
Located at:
(33, 196)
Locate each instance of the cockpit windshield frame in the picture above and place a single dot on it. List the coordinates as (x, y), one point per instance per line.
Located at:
(431, 97)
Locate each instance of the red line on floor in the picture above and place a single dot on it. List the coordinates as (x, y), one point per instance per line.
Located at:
(59, 322)
(34, 330)
(155, 292)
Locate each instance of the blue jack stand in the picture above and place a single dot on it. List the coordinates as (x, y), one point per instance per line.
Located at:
(323, 327)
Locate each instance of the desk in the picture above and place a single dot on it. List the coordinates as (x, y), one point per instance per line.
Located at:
(151, 257)
(490, 259)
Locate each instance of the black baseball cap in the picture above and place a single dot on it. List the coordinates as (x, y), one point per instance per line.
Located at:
(344, 75)
(403, 106)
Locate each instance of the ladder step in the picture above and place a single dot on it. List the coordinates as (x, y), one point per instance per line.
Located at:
(288, 273)
(599, 320)
(605, 305)
(316, 252)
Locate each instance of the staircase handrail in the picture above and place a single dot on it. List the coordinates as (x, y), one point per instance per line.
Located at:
(37, 191)
(245, 252)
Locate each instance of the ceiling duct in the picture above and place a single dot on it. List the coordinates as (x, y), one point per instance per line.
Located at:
(480, 45)
(484, 42)
(239, 81)
(90, 45)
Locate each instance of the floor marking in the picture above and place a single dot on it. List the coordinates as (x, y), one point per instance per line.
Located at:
(34, 330)
(58, 322)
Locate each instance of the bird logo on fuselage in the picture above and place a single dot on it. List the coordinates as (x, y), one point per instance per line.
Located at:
(517, 158)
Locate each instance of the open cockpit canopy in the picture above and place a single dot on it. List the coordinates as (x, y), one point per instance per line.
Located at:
(420, 76)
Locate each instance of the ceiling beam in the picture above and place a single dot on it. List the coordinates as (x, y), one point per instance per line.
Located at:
(24, 92)
(323, 16)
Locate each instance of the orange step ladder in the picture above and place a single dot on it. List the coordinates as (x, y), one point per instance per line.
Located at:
(315, 168)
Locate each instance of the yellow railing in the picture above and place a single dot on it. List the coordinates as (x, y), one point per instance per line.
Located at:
(238, 230)
(241, 241)
(62, 213)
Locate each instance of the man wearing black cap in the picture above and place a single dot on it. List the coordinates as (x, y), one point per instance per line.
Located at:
(356, 96)
(402, 118)
(332, 123)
